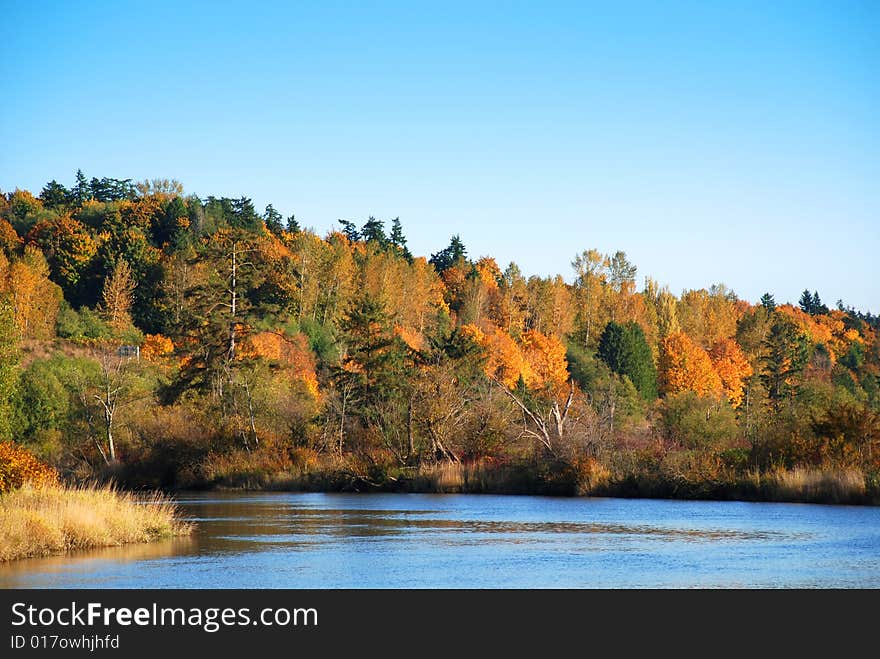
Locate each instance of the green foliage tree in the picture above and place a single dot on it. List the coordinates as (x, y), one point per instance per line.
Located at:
(374, 231)
(397, 238)
(626, 352)
(82, 191)
(55, 195)
(786, 352)
(292, 225)
(350, 230)
(698, 422)
(272, 218)
(9, 367)
(450, 255)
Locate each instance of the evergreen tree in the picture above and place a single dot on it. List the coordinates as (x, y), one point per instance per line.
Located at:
(818, 307)
(626, 352)
(397, 238)
(244, 215)
(54, 195)
(82, 190)
(272, 218)
(369, 341)
(168, 225)
(785, 355)
(350, 230)
(806, 302)
(446, 258)
(293, 225)
(768, 302)
(374, 231)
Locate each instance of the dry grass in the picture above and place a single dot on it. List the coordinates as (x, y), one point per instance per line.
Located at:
(45, 520)
(833, 486)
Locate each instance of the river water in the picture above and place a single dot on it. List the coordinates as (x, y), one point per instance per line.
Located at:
(296, 540)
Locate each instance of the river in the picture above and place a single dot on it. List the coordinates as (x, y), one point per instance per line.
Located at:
(306, 540)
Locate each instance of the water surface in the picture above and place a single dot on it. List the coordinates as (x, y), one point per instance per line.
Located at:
(296, 540)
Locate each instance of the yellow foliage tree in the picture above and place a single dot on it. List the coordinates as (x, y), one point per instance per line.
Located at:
(35, 299)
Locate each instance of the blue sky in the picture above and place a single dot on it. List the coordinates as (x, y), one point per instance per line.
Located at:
(734, 142)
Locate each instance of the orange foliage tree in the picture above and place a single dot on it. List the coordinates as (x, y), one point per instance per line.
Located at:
(685, 366)
(504, 360)
(545, 358)
(292, 354)
(156, 347)
(732, 367)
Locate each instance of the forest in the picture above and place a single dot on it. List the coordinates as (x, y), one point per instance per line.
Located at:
(159, 339)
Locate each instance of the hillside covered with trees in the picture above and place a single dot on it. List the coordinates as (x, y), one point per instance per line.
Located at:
(169, 340)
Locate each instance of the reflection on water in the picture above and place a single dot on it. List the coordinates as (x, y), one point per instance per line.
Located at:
(86, 561)
(341, 540)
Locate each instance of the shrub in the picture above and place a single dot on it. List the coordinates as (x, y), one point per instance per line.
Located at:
(698, 423)
(18, 466)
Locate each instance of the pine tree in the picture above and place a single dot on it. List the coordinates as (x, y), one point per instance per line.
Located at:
(806, 302)
(374, 231)
(626, 352)
(768, 302)
(350, 230)
(397, 239)
(293, 225)
(272, 218)
(82, 190)
(54, 195)
(446, 258)
(244, 215)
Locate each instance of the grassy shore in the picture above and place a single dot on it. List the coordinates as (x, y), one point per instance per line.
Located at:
(53, 519)
(830, 485)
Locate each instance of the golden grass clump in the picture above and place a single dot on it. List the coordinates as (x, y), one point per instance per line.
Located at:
(40, 520)
(815, 484)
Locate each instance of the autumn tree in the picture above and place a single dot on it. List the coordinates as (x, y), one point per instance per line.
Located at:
(732, 368)
(35, 298)
(590, 293)
(116, 296)
(708, 316)
(685, 366)
(69, 249)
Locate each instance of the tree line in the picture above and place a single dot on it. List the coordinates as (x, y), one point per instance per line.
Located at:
(263, 347)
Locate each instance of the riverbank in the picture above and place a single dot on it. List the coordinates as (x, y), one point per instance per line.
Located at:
(847, 486)
(53, 519)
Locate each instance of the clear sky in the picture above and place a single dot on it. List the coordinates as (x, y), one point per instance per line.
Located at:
(734, 142)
